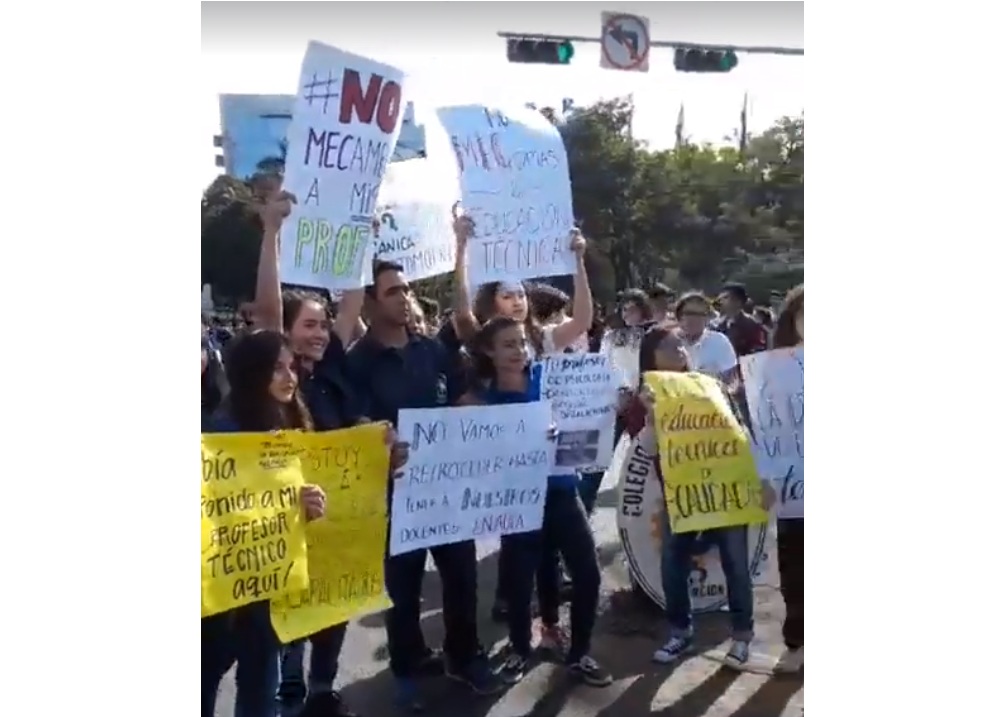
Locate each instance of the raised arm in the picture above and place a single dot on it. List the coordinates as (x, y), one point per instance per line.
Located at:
(567, 333)
(346, 321)
(268, 296)
(465, 323)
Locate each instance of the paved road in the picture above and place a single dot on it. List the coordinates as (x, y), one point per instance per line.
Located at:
(627, 632)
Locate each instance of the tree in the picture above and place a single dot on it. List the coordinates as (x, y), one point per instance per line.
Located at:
(231, 239)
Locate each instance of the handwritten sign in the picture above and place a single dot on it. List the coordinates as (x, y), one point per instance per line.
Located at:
(622, 347)
(414, 206)
(710, 478)
(346, 121)
(584, 393)
(253, 541)
(473, 472)
(773, 382)
(345, 549)
(515, 185)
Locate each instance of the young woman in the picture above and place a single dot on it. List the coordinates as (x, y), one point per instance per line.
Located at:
(263, 397)
(789, 332)
(663, 349)
(500, 360)
(319, 345)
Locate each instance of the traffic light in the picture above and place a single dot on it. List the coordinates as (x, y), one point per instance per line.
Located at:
(539, 52)
(697, 60)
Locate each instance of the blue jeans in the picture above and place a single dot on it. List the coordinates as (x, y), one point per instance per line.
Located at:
(676, 566)
(326, 646)
(566, 530)
(244, 634)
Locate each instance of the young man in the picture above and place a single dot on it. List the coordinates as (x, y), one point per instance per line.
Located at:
(746, 334)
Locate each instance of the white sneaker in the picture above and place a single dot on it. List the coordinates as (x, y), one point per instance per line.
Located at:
(790, 662)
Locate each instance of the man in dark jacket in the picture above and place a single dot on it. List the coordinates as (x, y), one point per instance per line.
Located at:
(745, 332)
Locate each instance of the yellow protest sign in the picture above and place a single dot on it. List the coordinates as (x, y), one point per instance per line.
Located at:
(710, 477)
(346, 547)
(253, 542)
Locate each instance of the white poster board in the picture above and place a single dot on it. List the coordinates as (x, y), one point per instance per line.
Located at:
(414, 206)
(346, 121)
(515, 186)
(473, 472)
(773, 383)
(583, 390)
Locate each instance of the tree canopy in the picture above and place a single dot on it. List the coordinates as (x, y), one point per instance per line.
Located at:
(689, 217)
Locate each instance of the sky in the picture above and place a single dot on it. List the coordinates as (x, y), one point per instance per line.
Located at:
(452, 55)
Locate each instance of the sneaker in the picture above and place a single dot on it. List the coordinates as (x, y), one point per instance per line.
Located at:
(673, 649)
(476, 674)
(513, 669)
(326, 704)
(790, 662)
(499, 611)
(407, 695)
(738, 654)
(553, 639)
(589, 672)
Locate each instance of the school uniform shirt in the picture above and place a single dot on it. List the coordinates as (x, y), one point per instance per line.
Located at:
(712, 354)
(328, 391)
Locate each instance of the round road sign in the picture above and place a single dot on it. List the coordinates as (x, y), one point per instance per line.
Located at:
(625, 42)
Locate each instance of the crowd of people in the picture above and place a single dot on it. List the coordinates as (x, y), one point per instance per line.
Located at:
(292, 360)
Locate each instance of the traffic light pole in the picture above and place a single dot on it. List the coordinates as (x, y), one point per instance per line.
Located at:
(746, 49)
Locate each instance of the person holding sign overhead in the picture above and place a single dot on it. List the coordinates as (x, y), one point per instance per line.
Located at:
(332, 404)
(263, 397)
(393, 369)
(664, 350)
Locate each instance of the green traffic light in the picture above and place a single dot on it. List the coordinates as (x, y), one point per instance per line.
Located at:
(565, 52)
(728, 60)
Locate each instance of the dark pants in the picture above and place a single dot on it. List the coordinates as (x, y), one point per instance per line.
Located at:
(790, 552)
(403, 578)
(590, 486)
(244, 634)
(566, 530)
(326, 646)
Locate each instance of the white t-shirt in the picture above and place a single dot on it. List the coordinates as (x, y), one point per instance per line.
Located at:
(712, 354)
(548, 340)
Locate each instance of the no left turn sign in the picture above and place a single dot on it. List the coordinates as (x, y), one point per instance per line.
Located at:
(625, 42)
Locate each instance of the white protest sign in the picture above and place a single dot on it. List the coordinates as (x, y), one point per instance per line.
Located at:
(773, 384)
(583, 389)
(346, 121)
(515, 186)
(473, 472)
(414, 206)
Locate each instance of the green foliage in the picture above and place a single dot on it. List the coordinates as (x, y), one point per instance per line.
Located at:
(690, 217)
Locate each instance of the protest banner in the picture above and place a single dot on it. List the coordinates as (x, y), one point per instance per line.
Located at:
(515, 186)
(414, 206)
(253, 541)
(773, 383)
(584, 392)
(473, 472)
(345, 549)
(346, 121)
(710, 478)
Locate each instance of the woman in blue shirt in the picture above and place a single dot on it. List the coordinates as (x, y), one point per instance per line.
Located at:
(500, 356)
(263, 397)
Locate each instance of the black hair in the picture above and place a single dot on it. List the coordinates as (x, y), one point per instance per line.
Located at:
(650, 344)
(249, 364)
(482, 365)
(381, 266)
(637, 298)
(545, 301)
(688, 297)
(737, 291)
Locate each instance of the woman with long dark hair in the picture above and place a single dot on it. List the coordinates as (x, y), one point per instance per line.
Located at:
(500, 359)
(789, 333)
(263, 397)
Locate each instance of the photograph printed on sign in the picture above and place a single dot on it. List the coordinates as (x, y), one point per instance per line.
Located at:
(473, 472)
(414, 209)
(515, 185)
(345, 124)
(773, 384)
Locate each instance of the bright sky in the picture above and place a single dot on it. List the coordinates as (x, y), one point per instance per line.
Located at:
(452, 54)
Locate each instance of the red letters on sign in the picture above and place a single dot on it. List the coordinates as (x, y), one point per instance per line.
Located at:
(384, 98)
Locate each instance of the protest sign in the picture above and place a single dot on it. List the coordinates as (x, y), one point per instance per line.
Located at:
(345, 549)
(253, 541)
(346, 121)
(515, 186)
(473, 472)
(414, 206)
(710, 478)
(583, 390)
(622, 348)
(773, 383)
